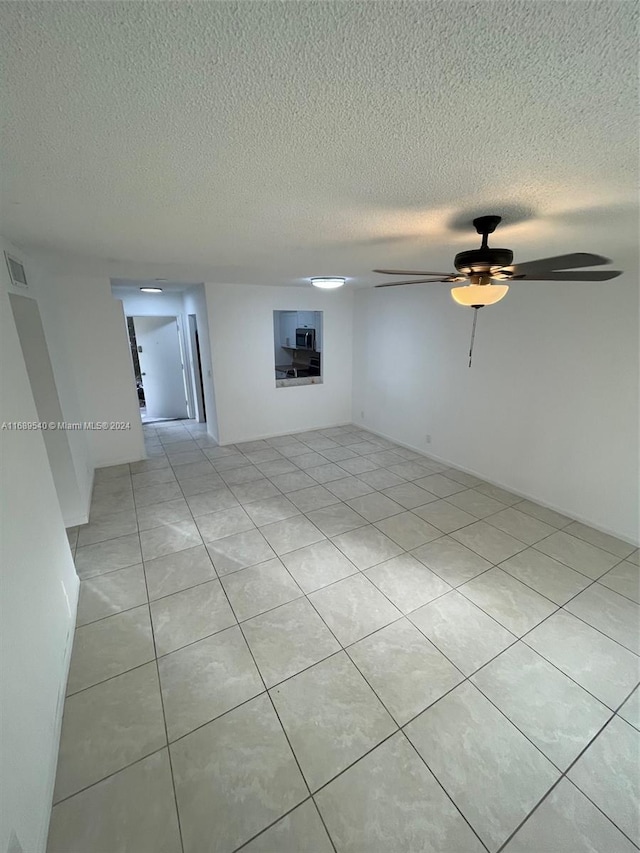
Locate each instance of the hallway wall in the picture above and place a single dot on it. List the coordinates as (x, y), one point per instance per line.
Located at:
(45, 394)
(87, 336)
(37, 606)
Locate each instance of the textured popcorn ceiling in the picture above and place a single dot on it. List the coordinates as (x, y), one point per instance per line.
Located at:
(263, 142)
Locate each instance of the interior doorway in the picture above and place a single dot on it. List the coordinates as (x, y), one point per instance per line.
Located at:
(194, 340)
(159, 368)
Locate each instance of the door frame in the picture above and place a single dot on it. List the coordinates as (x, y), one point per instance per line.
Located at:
(187, 370)
(195, 363)
(181, 351)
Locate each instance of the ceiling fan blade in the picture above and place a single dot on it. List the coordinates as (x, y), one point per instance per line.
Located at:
(588, 275)
(412, 272)
(560, 262)
(417, 281)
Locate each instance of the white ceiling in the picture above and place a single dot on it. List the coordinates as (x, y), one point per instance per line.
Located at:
(263, 142)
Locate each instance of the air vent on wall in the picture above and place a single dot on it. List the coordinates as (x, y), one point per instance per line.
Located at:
(16, 271)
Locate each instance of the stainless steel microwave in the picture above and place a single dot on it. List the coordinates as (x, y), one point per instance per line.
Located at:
(306, 339)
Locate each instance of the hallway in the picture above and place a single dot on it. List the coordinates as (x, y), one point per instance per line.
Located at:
(325, 641)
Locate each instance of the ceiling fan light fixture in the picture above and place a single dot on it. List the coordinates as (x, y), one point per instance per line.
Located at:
(327, 282)
(478, 295)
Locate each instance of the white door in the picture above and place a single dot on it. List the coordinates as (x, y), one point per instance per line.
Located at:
(161, 366)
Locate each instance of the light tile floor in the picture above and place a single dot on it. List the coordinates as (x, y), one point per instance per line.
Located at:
(325, 642)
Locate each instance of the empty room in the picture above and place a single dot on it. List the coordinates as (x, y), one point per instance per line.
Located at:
(320, 427)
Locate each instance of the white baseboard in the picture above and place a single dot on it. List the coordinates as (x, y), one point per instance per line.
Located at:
(124, 460)
(76, 521)
(265, 436)
(72, 604)
(524, 495)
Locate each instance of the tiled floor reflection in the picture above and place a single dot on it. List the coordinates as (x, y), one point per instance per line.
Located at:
(326, 642)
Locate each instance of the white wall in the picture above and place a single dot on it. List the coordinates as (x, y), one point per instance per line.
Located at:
(549, 408)
(61, 362)
(87, 336)
(151, 304)
(45, 394)
(37, 606)
(241, 327)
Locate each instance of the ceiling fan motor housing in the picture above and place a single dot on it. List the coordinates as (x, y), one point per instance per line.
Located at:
(483, 260)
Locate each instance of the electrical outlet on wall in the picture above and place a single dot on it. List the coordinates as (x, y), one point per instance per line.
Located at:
(362, 415)
(428, 438)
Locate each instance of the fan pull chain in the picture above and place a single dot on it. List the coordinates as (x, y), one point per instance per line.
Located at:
(473, 331)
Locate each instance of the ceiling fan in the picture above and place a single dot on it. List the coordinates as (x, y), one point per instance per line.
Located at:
(484, 266)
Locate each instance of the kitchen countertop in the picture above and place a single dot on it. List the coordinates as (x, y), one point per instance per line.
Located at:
(302, 380)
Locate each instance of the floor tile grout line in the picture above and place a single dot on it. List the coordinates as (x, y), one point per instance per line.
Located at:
(267, 690)
(344, 770)
(362, 571)
(558, 560)
(458, 588)
(555, 666)
(564, 775)
(568, 601)
(611, 589)
(624, 701)
(444, 790)
(215, 719)
(558, 606)
(344, 649)
(495, 657)
(528, 546)
(324, 823)
(487, 517)
(520, 500)
(284, 731)
(598, 630)
(347, 647)
(521, 638)
(556, 530)
(110, 678)
(110, 776)
(610, 715)
(244, 844)
(164, 716)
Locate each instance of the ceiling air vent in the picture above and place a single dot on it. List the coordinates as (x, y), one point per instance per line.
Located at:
(16, 271)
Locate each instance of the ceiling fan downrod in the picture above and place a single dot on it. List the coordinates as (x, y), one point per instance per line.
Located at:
(473, 331)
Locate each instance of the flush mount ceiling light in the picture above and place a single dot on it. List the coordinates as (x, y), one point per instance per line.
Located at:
(327, 282)
(151, 289)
